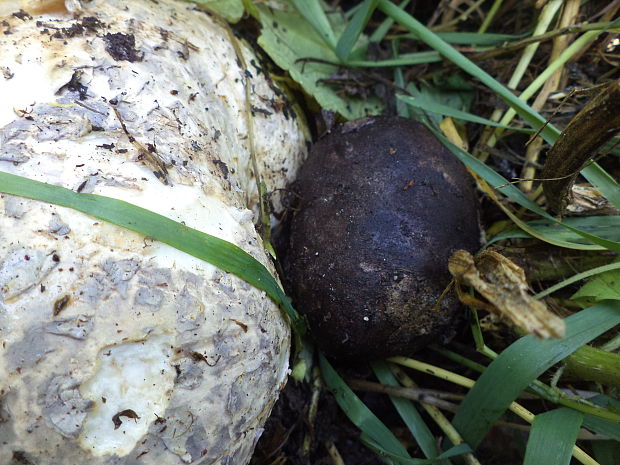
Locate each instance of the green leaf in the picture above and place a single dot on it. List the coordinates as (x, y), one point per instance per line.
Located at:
(313, 13)
(406, 59)
(445, 110)
(600, 425)
(289, 39)
(521, 363)
(548, 132)
(231, 10)
(607, 227)
(501, 184)
(606, 286)
(553, 437)
(578, 277)
(211, 249)
(358, 413)
(600, 179)
(381, 452)
(476, 38)
(407, 412)
(354, 29)
(606, 452)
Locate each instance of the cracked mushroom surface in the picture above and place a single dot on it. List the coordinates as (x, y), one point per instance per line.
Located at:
(117, 349)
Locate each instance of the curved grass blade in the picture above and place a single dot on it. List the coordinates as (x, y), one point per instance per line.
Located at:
(606, 227)
(501, 184)
(578, 277)
(457, 114)
(359, 414)
(600, 425)
(521, 363)
(549, 132)
(354, 29)
(559, 427)
(379, 34)
(603, 181)
(407, 412)
(209, 248)
(452, 452)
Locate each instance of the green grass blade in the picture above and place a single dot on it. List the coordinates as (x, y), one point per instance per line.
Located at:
(379, 34)
(549, 132)
(578, 277)
(354, 29)
(606, 227)
(600, 425)
(407, 412)
(501, 184)
(313, 12)
(381, 452)
(557, 428)
(358, 413)
(603, 181)
(476, 38)
(606, 452)
(521, 363)
(406, 59)
(446, 110)
(209, 248)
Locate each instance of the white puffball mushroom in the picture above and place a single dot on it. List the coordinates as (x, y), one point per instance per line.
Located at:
(117, 349)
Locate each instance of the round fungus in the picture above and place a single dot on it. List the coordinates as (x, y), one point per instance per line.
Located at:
(383, 204)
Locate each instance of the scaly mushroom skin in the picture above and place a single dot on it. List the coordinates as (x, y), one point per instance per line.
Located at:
(117, 349)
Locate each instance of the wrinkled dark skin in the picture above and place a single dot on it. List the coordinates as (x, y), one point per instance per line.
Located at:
(382, 206)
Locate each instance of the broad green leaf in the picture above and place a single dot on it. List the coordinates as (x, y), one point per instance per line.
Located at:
(605, 286)
(358, 413)
(407, 412)
(521, 363)
(553, 437)
(354, 29)
(231, 10)
(289, 39)
(211, 249)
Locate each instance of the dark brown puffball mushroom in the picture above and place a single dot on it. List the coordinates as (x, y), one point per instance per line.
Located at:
(383, 204)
